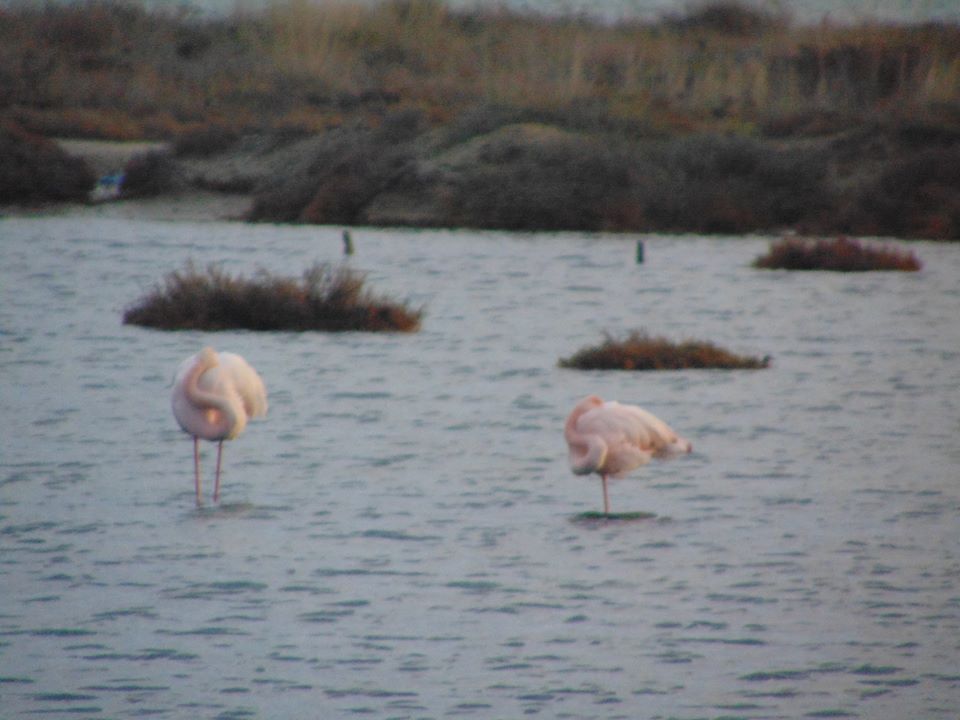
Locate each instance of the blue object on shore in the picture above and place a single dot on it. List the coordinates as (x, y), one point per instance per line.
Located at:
(639, 252)
(107, 188)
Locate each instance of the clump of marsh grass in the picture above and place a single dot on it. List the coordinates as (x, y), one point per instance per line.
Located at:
(326, 298)
(840, 254)
(639, 351)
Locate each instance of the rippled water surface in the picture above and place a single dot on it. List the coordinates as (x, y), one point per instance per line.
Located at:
(399, 537)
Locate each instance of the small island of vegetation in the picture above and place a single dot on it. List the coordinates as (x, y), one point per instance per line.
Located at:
(326, 298)
(840, 254)
(640, 351)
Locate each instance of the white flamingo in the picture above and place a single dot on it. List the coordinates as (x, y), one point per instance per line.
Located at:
(214, 394)
(612, 440)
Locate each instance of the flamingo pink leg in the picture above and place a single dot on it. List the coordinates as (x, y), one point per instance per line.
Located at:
(196, 469)
(606, 497)
(216, 486)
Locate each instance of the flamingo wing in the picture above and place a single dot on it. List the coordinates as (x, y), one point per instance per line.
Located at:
(653, 434)
(627, 442)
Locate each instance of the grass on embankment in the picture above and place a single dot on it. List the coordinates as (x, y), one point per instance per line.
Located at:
(640, 351)
(118, 71)
(325, 298)
(841, 254)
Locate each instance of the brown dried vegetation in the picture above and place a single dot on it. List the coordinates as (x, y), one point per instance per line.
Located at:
(841, 254)
(326, 298)
(639, 351)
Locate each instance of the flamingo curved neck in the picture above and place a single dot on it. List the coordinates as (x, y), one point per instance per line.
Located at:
(221, 412)
(588, 455)
(588, 452)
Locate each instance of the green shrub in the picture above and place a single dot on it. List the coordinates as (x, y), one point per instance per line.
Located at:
(639, 351)
(325, 298)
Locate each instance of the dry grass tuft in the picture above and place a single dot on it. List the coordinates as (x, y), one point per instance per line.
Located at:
(639, 351)
(841, 254)
(326, 298)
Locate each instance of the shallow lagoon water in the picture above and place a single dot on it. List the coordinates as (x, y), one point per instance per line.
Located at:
(399, 537)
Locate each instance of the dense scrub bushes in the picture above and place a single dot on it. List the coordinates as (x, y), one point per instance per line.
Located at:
(34, 169)
(532, 176)
(724, 118)
(151, 174)
(917, 195)
(344, 171)
(730, 184)
(526, 177)
(539, 176)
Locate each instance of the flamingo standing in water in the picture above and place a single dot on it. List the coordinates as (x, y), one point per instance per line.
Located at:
(214, 394)
(612, 440)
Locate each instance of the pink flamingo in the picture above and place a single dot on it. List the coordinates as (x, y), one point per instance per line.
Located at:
(214, 394)
(611, 439)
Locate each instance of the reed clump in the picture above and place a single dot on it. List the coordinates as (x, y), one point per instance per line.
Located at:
(325, 298)
(841, 254)
(640, 351)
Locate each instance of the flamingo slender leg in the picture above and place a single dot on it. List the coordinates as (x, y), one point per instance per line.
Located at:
(216, 486)
(196, 469)
(606, 497)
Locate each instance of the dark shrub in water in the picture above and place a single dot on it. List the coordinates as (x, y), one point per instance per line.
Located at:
(326, 298)
(639, 351)
(841, 254)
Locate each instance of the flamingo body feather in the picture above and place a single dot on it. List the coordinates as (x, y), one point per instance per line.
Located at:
(612, 439)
